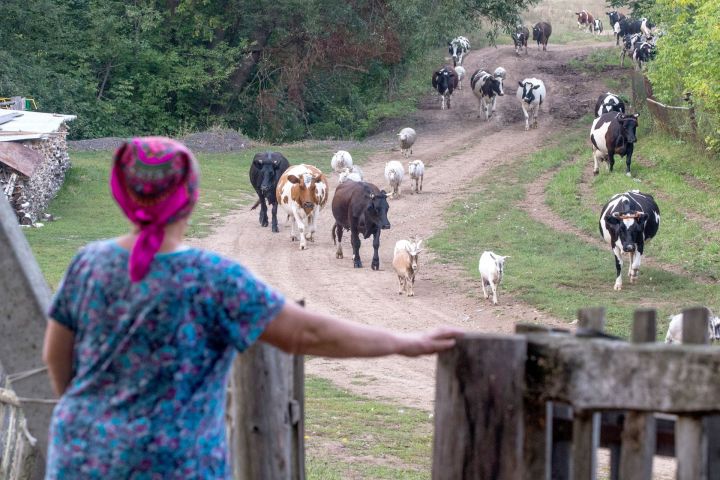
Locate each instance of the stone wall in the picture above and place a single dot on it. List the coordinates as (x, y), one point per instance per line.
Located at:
(30, 197)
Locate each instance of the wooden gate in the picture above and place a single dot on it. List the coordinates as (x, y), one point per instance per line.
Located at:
(538, 404)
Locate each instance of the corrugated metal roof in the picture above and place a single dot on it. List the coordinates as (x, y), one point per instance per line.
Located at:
(23, 159)
(32, 125)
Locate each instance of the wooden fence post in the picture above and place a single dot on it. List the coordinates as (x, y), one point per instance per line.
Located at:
(690, 449)
(586, 425)
(479, 409)
(638, 435)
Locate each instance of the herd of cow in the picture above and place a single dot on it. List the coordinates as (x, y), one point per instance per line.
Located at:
(627, 220)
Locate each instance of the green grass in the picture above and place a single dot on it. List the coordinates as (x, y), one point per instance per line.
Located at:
(355, 429)
(87, 212)
(559, 273)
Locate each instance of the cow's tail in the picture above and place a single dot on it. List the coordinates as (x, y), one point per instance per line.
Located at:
(256, 205)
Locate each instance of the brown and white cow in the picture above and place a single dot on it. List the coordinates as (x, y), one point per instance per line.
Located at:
(585, 20)
(302, 192)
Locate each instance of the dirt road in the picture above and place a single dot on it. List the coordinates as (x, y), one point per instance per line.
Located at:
(457, 147)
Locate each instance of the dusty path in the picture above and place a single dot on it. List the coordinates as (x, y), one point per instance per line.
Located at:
(456, 147)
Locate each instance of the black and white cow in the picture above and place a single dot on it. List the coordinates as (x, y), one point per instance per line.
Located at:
(608, 102)
(643, 53)
(265, 172)
(598, 26)
(613, 134)
(626, 222)
(630, 42)
(626, 26)
(445, 81)
(457, 48)
(531, 93)
(487, 88)
(520, 38)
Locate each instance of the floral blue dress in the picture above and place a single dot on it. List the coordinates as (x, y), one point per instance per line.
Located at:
(151, 358)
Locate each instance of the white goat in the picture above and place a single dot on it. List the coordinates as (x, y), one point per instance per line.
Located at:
(416, 170)
(405, 262)
(407, 138)
(491, 268)
(394, 173)
(461, 74)
(674, 332)
(341, 160)
(354, 173)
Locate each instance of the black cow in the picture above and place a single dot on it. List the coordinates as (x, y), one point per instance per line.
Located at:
(362, 208)
(520, 38)
(541, 34)
(613, 134)
(265, 172)
(626, 222)
(445, 81)
(608, 102)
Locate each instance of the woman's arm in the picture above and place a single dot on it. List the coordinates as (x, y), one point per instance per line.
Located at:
(297, 330)
(58, 355)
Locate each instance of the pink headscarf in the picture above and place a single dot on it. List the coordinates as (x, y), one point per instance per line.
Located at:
(155, 182)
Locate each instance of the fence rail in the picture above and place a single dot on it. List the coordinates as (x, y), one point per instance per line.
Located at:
(537, 405)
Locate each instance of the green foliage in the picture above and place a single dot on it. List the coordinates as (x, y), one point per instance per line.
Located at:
(280, 70)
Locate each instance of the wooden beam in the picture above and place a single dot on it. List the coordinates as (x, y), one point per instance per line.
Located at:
(594, 374)
(479, 409)
(638, 437)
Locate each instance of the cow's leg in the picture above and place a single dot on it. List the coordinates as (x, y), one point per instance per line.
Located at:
(527, 117)
(263, 212)
(494, 100)
(338, 233)
(635, 265)
(442, 107)
(355, 242)
(274, 210)
(300, 223)
(611, 161)
(313, 223)
(628, 159)
(421, 182)
(597, 155)
(375, 265)
(618, 268)
(535, 111)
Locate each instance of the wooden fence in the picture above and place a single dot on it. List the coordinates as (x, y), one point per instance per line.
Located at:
(538, 404)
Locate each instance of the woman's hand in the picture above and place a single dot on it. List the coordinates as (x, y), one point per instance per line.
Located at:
(413, 345)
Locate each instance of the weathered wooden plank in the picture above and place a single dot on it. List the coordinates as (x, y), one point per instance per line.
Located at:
(568, 370)
(691, 450)
(586, 437)
(538, 439)
(298, 418)
(479, 409)
(562, 432)
(638, 437)
(262, 434)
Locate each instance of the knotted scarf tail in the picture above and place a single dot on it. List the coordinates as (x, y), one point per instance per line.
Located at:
(146, 246)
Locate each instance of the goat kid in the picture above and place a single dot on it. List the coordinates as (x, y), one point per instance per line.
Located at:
(491, 267)
(405, 263)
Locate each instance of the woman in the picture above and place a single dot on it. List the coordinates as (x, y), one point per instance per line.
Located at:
(143, 330)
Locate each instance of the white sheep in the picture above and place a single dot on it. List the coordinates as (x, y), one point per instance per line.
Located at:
(460, 74)
(407, 138)
(405, 262)
(394, 173)
(674, 332)
(491, 268)
(341, 160)
(416, 170)
(354, 173)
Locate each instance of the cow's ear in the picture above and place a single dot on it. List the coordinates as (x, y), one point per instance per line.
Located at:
(536, 87)
(293, 179)
(611, 220)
